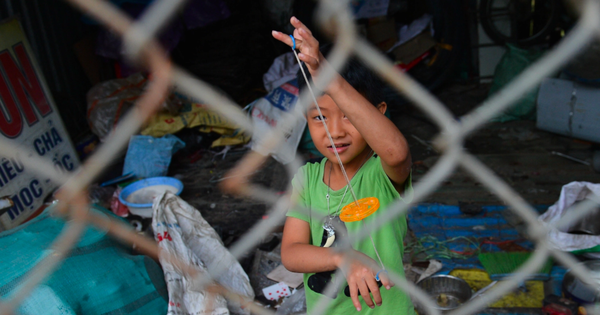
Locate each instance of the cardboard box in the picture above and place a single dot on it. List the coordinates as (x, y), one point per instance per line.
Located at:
(414, 48)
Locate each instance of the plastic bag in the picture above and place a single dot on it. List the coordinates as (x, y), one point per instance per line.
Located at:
(295, 304)
(182, 231)
(513, 62)
(109, 101)
(569, 195)
(283, 69)
(150, 157)
(267, 112)
(192, 115)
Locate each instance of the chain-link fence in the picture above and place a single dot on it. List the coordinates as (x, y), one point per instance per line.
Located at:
(142, 48)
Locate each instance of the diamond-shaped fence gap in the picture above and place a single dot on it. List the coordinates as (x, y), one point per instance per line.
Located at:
(406, 85)
(580, 36)
(216, 101)
(153, 20)
(497, 186)
(440, 171)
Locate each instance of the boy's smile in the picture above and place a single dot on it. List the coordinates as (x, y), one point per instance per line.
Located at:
(339, 147)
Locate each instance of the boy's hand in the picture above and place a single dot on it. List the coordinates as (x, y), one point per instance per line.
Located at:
(305, 43)
(361, 280)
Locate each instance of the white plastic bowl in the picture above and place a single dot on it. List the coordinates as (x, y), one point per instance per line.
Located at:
(139, 196)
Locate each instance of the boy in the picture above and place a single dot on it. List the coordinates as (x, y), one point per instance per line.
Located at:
(376, 158)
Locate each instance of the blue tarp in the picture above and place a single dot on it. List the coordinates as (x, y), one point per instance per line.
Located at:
(98, 276)
(446, 222)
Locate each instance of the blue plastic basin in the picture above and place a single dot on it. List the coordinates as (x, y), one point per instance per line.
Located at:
(143, 185)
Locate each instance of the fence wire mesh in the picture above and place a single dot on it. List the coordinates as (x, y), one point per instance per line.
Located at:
(142, 48)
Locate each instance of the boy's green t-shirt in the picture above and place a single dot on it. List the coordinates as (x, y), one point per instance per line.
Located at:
(369, 181)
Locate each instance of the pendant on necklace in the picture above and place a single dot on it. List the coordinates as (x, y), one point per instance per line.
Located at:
(334, 229)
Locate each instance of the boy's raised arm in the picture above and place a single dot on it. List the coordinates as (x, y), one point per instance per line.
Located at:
(380, 133)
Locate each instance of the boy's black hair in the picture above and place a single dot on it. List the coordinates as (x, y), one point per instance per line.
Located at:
(358, 76)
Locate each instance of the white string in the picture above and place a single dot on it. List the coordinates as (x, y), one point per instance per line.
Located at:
(334, 150)
(376, 252)
(326, 129)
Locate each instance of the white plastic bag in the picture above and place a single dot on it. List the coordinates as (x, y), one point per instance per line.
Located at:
(569, 195)
(269, 111)
(283, 69)
(181, 230)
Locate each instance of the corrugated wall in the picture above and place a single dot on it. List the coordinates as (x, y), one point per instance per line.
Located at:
(53, 27)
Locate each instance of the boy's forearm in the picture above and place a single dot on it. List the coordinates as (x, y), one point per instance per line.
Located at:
(305, 258)
(380, 133)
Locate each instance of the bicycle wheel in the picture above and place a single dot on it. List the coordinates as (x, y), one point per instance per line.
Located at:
(520, 22)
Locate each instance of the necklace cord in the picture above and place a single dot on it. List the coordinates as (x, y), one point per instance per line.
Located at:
(343, 196)
(346, 190)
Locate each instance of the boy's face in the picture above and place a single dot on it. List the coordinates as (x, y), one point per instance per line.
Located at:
(348, 141)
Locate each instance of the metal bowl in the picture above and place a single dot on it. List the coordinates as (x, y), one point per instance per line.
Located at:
(579, 291)
(447, 291)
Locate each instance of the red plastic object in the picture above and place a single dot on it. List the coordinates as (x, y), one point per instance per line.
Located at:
(555, 309)
(410, 65)
(116, 206)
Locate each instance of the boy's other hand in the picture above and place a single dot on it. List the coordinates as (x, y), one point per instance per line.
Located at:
(305, 43)
(359, 271)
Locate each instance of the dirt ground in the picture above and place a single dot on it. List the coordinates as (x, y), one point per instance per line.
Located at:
(516, 151)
